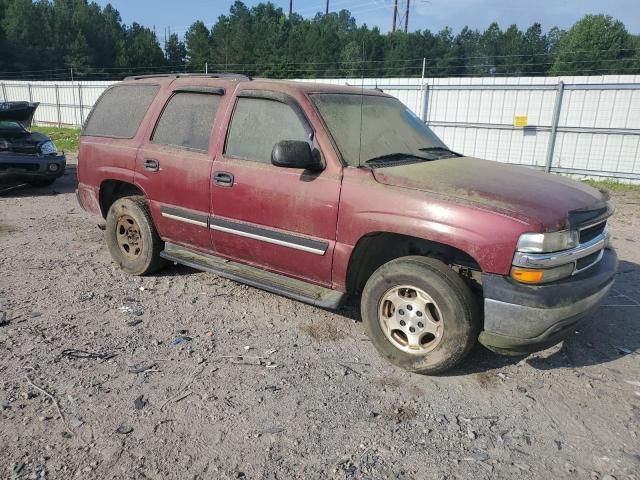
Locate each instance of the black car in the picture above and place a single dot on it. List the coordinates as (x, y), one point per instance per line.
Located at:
(26, 157)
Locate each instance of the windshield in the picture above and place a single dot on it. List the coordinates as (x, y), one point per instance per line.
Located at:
(8, 125)
(389, 129)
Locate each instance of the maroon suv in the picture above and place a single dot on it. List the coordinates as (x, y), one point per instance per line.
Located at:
(317, 192)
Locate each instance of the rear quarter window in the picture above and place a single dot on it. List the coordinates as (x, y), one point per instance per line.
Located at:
(120, 111)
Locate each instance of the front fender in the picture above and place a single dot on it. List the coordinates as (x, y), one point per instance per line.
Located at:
(487, 236)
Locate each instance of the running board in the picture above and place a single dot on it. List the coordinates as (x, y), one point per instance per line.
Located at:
(271, 282)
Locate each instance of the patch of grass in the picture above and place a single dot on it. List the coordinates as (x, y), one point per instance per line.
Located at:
(613, 186)
(66, 139)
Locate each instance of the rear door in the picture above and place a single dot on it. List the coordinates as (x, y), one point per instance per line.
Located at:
(280, 219)
(174, 166)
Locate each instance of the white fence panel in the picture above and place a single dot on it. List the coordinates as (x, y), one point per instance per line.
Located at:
(597, 131)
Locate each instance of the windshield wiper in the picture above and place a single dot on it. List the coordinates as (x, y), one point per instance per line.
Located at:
(398, 158)
(440, 151)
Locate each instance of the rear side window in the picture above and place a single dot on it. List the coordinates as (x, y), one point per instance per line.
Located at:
(258, 124)
(187, 121)
(120, 111)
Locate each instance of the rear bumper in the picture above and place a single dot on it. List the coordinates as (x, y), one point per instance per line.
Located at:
(520, 319)
(88, 198)
(25, 168)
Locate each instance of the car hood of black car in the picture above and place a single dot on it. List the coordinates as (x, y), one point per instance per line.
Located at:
(21, 112)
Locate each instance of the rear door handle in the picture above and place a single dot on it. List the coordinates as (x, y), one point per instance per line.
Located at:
(151, 165)
(224, 179)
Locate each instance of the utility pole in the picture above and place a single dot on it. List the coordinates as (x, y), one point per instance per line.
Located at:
(395, 14)
(406, 18)
(290, 8)
(326, 12)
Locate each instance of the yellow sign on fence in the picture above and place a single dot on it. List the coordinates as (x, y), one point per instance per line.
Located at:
(520, 121)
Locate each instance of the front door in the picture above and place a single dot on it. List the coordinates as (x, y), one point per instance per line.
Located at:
(174, 167)
(280, 219)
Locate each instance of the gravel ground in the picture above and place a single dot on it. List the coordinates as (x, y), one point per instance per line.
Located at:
(188, 375)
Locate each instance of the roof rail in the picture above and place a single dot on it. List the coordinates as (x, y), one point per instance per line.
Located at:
(238, 76)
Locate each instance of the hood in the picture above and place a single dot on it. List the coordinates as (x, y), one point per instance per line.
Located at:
(524, 193)
(21, 112)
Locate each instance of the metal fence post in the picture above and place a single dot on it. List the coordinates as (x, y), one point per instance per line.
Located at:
(425, 101)
(557, 107)
(58, 106)
(31, 101)
(81, 107)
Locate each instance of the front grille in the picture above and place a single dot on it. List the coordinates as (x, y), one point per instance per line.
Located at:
(27, 167)
(592, 232)
(587, 261)
(28, 149)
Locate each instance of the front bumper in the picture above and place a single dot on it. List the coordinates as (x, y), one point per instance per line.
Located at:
(521, 319)
(26, 168)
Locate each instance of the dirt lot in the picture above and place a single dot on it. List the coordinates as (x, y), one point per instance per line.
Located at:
(165, 398)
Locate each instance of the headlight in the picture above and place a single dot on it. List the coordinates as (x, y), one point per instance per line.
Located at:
(48, 148)
(548, 242)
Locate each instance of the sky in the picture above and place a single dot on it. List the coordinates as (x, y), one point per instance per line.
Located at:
(425, 14)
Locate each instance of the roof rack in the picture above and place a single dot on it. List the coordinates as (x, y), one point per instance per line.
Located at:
(238, 76)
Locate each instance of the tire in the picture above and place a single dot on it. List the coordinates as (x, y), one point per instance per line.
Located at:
(42, 183)
(449, 320)
(132, 238)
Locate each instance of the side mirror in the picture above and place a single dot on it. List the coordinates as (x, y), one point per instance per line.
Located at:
(296, 154)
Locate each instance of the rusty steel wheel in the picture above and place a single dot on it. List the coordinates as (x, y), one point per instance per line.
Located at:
(129, 237)
(410, 319)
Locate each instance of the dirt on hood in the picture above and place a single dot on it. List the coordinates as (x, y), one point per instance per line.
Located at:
(523, 192)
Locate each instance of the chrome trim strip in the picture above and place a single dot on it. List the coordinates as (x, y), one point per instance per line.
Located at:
(599, 222)
(555, 259)
(282, 243)
(184, 219)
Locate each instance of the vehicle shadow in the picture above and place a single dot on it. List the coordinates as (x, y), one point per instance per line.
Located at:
(67, 183)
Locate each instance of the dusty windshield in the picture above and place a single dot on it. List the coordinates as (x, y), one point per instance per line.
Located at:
(389, 129)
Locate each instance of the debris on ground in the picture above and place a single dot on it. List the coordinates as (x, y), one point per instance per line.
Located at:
(140, 402)
(82, 354)
(124, 430)
(146, 368)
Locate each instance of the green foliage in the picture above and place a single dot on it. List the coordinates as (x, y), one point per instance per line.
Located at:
(198, 45)
(139, 46)
(66, 139)
(52, 36)
(62, 34)
(614, 186)
(595, 45)
(175, 51)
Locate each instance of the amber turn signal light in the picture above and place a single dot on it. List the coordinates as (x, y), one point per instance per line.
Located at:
(526, 275)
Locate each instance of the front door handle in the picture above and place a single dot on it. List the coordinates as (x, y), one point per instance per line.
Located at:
(151, 165)
(224, 179)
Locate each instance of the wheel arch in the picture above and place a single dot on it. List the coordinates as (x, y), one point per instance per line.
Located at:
(374, 249)
(112, 189)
